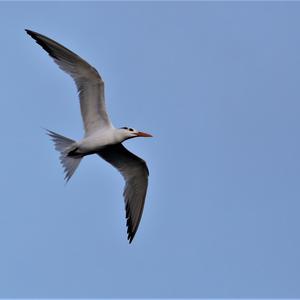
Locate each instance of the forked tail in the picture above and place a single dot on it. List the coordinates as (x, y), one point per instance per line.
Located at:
(64, 146)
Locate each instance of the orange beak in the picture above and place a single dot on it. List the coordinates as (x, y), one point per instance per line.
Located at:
(143, 134)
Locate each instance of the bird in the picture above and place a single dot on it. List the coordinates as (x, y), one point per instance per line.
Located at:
(100, 135)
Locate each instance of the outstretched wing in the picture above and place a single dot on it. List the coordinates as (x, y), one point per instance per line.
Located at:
(89, 84)
(135, 173)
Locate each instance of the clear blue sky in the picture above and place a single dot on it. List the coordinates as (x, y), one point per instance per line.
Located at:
(218, 85)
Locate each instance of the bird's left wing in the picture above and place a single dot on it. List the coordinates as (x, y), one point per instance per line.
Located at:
(135, 173)
(89, 84)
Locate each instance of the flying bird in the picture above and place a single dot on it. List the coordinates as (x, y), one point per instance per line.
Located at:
(101, 137)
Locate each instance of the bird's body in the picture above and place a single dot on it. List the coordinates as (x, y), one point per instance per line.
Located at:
(101, 137)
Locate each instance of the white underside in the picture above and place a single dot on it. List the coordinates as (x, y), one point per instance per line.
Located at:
(99, 139)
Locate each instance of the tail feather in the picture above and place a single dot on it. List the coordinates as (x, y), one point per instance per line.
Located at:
(69, 164)
(65, 146)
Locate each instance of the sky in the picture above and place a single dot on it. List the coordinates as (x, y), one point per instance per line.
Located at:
(218, 86)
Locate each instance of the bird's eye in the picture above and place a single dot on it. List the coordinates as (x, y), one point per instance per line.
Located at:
(130, 129)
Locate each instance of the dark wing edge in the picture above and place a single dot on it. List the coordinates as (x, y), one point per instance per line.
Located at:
(90, 85)
(135, 173)
(61, 54)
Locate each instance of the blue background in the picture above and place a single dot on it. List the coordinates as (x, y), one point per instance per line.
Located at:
(217, 84)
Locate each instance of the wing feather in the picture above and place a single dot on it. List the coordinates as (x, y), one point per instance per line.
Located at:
(135, 173)
(89, 84)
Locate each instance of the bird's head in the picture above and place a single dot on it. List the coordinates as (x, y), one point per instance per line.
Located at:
(129, 133)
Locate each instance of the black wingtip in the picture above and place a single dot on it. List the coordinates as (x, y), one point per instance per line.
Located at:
(40, 39)
(130, 232)
(33, 34)
(29, 32)
(130, 238)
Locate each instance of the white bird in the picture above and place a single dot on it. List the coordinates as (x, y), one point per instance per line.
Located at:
(101, 137)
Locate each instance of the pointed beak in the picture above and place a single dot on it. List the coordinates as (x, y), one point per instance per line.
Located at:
(143, 134)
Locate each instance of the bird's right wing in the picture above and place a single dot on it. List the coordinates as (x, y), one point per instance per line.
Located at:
(135, 173)
(89, 84)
